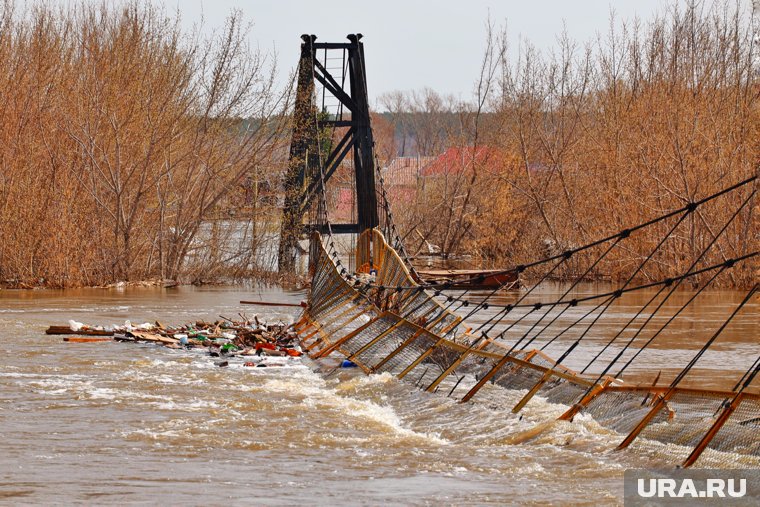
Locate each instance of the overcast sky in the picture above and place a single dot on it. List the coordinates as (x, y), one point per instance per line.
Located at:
(410, 44)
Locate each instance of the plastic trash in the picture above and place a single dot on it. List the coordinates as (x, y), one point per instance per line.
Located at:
(75, 326)
(347, 364)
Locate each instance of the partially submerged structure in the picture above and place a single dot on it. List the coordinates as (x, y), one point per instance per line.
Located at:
(381, 316)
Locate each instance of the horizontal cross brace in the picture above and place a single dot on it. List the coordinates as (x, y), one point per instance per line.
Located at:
(336, 228)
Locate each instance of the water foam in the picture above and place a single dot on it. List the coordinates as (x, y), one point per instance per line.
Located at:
(316, 392)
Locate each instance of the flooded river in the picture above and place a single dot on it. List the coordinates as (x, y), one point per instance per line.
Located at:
(112, 423)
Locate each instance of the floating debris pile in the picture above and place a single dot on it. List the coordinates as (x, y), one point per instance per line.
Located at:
(226, 339)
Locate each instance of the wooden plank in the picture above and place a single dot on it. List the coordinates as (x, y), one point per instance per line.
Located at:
(53, 330)
(461, 272)
(150, 337)
(273, 303)
(79, 339)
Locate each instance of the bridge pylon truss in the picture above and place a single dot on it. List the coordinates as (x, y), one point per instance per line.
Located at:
(331, 124)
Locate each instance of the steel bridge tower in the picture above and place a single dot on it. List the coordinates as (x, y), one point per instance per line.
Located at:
(314, 157)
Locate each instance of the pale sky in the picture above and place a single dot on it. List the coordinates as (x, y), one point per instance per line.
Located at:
(410, 44)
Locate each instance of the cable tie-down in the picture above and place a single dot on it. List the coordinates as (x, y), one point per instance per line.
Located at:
(691, 207)
(729, 263)
(618, 293)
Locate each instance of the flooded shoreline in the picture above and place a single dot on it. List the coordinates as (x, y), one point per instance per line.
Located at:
(124, 424)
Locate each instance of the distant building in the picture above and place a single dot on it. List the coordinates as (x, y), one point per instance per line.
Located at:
(459, 159)
(404, 171)
(405, 177)
(402, 178)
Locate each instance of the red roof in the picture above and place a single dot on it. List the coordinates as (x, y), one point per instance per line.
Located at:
(459, 159)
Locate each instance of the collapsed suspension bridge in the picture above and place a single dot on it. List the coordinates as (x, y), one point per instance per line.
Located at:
(468, 345)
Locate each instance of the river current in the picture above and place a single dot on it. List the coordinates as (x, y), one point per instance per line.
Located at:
(115, 423)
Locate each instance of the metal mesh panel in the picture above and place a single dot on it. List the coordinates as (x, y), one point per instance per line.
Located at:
(423, 374)
(328, 306)
(476, 365)
(392, 272)
(368, 334)
(444, 356)
(409, 354)
(685, 419)
(383, 347)
(335, 309)
(562, 391)
(542, 361)
(517, 377)
(345, 324)
(419, 309)
(622, 410)
(740, 436)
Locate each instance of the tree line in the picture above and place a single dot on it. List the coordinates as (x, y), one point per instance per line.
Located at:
(131, 149)
(569, 146)
(121, 136)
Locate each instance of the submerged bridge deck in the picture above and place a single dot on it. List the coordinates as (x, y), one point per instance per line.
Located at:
(394, 325)
(385, 318)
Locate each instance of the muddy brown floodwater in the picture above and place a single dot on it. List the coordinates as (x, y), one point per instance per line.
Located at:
(111, 423)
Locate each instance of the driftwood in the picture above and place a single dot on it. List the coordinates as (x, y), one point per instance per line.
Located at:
(150, 337)
(77, 339)
(268, 303)
(85, 332)
(221, 338)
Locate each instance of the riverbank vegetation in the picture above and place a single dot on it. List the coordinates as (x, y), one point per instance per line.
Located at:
(123, 140)
(566, 147)
(132, 149)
